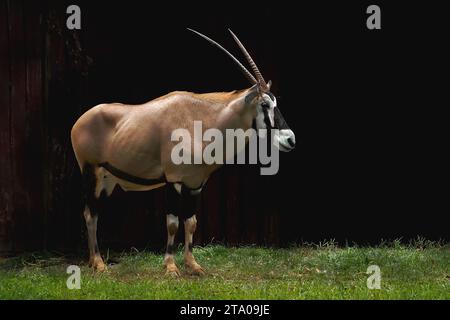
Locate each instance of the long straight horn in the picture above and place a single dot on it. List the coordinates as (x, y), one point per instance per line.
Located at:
(250, 60)
(243, 69)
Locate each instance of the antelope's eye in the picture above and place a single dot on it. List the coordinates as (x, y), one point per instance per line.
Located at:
(265, 105)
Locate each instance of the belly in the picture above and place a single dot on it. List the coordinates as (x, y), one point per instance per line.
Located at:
(106, 182)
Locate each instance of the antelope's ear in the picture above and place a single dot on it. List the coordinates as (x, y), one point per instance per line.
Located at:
(269, 84)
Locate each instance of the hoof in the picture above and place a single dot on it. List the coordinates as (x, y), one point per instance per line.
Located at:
(172, 271)
(196, 269)
(97, 264)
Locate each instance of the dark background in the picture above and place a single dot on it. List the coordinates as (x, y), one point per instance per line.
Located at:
(369, 162)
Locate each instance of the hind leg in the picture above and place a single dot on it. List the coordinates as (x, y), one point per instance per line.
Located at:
(97, 187)
(95, 259)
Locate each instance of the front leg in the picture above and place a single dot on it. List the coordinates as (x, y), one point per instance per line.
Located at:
(169, 261)
(189, 227)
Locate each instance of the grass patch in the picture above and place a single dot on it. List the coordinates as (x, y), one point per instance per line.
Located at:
(325, 271)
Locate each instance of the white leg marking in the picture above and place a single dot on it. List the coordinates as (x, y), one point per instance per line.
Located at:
(190, 225)
(105, 181)
(177, 187)
(91, 225)
(95, 259)
(172, 228)
(172, 223)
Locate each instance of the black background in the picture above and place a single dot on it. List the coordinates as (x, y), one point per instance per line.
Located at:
(369, 160)
(367, 108)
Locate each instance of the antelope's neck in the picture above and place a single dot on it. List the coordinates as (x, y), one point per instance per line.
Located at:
(236, 114)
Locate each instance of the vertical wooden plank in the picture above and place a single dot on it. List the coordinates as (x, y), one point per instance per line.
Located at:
(55, 58)
(199, 233)
(21, 201)
(267, 212)
(21, 63)
(157, 235)
(6, 204)
(253, 201)
(34, 138)
(233, 195)
(212, 224)
(270, 227)
(66, 94)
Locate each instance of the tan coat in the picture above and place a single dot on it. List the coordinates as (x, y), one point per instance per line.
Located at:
(137, 138)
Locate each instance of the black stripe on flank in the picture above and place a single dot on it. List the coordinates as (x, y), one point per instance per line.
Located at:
(130, 178)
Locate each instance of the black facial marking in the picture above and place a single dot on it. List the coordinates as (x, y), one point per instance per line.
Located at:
(267, 119)
(291, 142)
(190, 247)
(280, 123)
(265, 105)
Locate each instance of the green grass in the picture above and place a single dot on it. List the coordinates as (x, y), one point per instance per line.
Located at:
(416, 271)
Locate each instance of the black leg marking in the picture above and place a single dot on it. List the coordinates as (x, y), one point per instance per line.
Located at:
(189, 202)
(170, 249)
(184, 205)
(173, 200)
(89, 181)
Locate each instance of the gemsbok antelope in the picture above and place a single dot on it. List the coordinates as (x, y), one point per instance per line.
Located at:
(130, 146)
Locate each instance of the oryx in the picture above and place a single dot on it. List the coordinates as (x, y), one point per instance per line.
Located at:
(130, 146)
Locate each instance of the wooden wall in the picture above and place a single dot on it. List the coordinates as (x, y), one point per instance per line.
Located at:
(22, 129)
(365, 162)
(44, 87)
